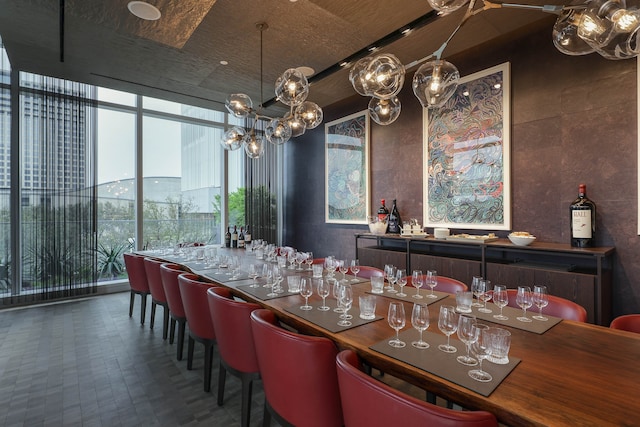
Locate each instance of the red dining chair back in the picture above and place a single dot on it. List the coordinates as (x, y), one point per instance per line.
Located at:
(369, 402)
(627, 322)
(158, 297)
(196, 308)
(445, 284)
(138, 282)
(367, 272)
(232, 324)
(318, 261)
(558, 307)
(298, 374)
(169, 274)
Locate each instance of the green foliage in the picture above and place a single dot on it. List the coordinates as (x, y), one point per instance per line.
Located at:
(236, 202)
(110, 260)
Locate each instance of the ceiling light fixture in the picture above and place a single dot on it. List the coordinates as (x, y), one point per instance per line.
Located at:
(292, 89)
(144, 10)
(609, 27)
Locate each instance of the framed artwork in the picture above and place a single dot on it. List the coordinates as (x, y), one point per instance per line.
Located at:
(347, 169)
(467, 155)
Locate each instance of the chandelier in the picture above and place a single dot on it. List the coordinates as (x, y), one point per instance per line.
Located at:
(292, 89)
(608, 27)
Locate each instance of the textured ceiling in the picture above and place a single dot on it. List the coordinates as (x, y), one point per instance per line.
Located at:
(178, 57)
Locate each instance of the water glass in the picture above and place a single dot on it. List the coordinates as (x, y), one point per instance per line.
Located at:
(367, 307)
(500, 346)
(463, 301)
(317, 270)
(293, 284)
(377, 284)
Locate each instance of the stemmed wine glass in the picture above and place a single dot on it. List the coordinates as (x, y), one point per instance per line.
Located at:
(393, 278)
(524, 300)
(396, 319)
(467, 334)
(344, 268)
(276, 274)
(345, 299)
(432, 282)
(541, 300)
(330, 264)
(306, 290)
(482, 348)
(267, 274)
(253, 273)
(300, 259)
(501, 299)
(309, 260)
(448, 325)
(416, 281)
(292, 257)
(323, 291)
(335, 291)
(401, 279)
(486, 296)
(389, 270)
(355, 269)
(474, 289)
(420, 321)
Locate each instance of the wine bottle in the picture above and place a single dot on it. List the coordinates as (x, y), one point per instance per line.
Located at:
(394, 219)
(247, 236)
(241, 238)
(383, 212)
(227, 238)
(234, 237)
(583, 220)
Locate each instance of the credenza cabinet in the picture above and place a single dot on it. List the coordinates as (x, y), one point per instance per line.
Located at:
(582, 275)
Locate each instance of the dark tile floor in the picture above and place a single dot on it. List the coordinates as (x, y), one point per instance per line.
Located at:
(86, 363)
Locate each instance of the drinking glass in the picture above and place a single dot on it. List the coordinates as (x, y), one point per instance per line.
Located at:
(486, 296)
(396, 319)
(276, 274)
(306, 290)
(345, 299)
(330, 264)
(474, 288)
(266, 273)
(309, 260)
(323, 291)
(416, 281)
(500, 346)
(253, 273)
(540, 300)
(501, 299)
(301, 257)
(393, 278)
(432, 282)
(524, 299)
(355, 269)
(482, 348)
(467, 334)
(401, 278)
(344, 267)
(292, 256)
(420, 321)
(335, 291)
(389, 270)
(448, 325)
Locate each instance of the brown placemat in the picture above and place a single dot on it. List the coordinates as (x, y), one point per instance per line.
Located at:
(535, 326)
(443, 364)
(261, 292)
(224, 278)
(329, 319)
(410, 292)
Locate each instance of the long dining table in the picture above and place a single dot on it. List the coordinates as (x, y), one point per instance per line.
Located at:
(574, 374)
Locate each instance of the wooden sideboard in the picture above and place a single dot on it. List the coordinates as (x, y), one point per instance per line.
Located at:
(582, 275)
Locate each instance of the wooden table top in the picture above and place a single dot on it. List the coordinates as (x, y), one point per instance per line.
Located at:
(575, 374)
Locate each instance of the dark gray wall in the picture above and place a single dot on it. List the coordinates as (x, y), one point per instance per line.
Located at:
(573, 121)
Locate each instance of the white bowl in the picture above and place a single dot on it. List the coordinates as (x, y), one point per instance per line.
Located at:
(521, 240)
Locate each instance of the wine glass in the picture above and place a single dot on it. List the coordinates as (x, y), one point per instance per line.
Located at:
(393, 277)
(420, 321)
(253, 273)
(306, 290)
(432, 282)
(401, 279)
(540, 300)
(300, 259)
(266, 273)
(309, 260)
(481, 347)
(323, 291)
(474, 288)
(330, 264)
(396, 319)
(335, 291)
(345, 299)
(344, 267)
(467, 334)
(355, 269)
(486, 296)
(276, 274)
(292, 256)
(501, 299)
(389, 270)
(416, 281)
(448, 325)
(524, 299)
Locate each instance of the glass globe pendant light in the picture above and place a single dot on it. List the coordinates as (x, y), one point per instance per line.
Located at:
(384, 111)
(296, 124)
(565, 34)
(233, 138)
(358, 76)
(435, 82)
(278, 131)
(239, 104)
(310, 113)
(292, 87)
(253, 146)
(385, 76)
(445, 7)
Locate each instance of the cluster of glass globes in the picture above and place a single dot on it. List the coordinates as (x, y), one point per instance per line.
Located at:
(292, 89)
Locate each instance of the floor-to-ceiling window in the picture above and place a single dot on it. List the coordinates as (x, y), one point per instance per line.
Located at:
(5, 171)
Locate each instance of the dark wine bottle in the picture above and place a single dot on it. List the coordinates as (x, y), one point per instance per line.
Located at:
(583, 220)
(247, 236)
(234, 237)
(394, 220)
(241, 238)
(227, 238)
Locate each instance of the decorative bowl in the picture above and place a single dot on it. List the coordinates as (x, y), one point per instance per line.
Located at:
(376, 226)
(521, 240)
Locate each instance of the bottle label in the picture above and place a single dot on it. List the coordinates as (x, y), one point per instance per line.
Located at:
(581, 224)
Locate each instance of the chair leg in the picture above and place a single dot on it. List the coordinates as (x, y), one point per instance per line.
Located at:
(172, 330)
(222, 377)
(266, 416)
(143, 309)
(131, 301)
(190, 353)
(431, 397)
(247, 389)
(165, 322)
(208, 363)
(181, 328)
(153, 314)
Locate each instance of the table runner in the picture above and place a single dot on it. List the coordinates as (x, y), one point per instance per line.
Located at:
(444, 364)
(328, 319)
(410, 298)
(535, 326)
(261, 292)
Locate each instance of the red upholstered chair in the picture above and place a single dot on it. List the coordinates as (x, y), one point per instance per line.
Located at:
(318, 261)
(196, 308)
(369, 402)
(158, 297)
(169, 274)
(232, 324)
(445, 284)
(298, 374)
(558, 307)
(138, 282)
(627, 322)
(367, 272)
